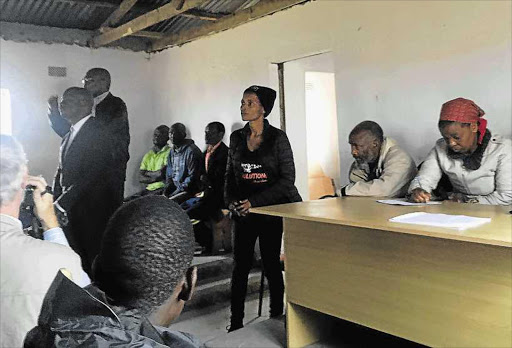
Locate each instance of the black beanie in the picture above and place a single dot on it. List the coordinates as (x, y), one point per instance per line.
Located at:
(266, 95)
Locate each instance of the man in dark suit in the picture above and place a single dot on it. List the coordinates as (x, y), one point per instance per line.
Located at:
(208, 208)
(215, 159)
(111, 113)
(84, 184)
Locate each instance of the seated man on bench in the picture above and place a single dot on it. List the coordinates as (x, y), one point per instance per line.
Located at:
(208, 208)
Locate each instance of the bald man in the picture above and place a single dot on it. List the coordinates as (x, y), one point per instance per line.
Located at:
(84, 184)
(111, 113)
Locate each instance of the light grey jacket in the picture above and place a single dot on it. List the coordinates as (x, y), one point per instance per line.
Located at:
(489, 184)
(27, 269)
(395, 170)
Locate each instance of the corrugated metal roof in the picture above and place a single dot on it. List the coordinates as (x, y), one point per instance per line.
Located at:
(86, 16)
(89, 15)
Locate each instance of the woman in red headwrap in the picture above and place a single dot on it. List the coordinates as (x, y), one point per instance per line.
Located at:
(477, 163)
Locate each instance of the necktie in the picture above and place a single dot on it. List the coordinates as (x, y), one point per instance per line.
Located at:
(68, 142)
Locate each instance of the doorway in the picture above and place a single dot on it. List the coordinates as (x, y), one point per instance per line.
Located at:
(312, 123)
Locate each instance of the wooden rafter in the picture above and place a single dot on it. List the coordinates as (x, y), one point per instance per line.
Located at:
(160, 14)
(204, 15)
(261, 9)
(119, 13)
(149, 34)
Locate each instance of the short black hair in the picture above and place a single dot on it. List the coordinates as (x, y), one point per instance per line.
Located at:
(147, 247)
(100, 72)
(162, 128)
(219, 126)
(368, 126)
(82, 94)
(179, 127)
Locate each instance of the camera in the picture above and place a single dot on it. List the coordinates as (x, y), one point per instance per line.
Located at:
(29, 220)
(31, 224)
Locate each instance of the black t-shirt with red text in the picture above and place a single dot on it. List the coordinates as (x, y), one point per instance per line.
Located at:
(254, 176)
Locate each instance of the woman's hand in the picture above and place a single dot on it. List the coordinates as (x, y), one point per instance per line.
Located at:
(240, 208)
(419, 195)
(243, 207)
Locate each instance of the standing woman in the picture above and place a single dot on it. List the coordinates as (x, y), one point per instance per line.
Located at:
(260, 172)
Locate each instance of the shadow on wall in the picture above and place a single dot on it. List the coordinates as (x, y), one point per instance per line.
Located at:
(236, 126)
(132, 184)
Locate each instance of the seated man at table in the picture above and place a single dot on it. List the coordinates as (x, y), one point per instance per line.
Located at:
(152, 167)
(381, 167)
(477, 163)
(142, 278)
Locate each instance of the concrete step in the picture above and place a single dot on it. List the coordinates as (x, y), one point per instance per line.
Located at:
(213, 268)
(214, 282)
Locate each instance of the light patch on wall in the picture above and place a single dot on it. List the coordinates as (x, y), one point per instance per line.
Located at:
(5, 112)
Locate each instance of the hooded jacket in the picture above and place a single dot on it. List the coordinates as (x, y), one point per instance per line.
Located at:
(395, 170)
(74, 317)
(491, 183)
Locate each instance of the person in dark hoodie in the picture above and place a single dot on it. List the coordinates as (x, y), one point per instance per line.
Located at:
(142, 278)
(260, 171)
(184, 166)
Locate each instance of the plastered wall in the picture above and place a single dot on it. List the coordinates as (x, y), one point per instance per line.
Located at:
(395, 62)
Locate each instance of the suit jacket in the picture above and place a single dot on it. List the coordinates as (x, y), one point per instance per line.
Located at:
(87, 173)
(113, 115)
(215, 176)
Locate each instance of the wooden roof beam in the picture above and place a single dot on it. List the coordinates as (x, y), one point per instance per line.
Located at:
(118, 13)
(261, 9)
(149, 34)
(148, 19)
(204, 15)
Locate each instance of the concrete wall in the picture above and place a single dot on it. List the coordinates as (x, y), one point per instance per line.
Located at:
(396, 62)
(24, 71)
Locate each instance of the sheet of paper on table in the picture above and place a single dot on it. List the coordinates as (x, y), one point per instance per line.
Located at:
(459, 222)
(403, 201)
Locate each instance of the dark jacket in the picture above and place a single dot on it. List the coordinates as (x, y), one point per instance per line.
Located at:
(184, 168)
(113, 115)
(75, 317)
(277, 158)
(214, 192)
(86, 173)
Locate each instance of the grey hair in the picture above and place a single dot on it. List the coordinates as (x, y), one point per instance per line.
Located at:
(13, 163)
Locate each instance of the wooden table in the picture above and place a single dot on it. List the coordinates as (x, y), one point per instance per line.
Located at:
(435, 286)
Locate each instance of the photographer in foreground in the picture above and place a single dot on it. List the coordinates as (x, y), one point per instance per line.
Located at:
(28, 265)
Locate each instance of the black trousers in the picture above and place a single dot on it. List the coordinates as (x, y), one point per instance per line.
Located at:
(269, 229)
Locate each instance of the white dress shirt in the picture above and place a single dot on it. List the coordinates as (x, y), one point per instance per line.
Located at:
(98, 100)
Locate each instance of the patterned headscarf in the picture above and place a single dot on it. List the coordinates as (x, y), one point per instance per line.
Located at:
(464, 111)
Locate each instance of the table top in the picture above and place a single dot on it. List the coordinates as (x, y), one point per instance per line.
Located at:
(366, 212)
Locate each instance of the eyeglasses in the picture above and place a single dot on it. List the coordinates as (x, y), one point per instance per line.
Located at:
(87, 79)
